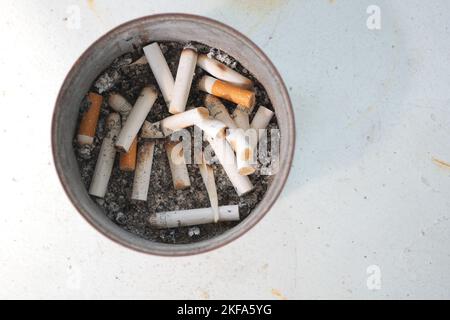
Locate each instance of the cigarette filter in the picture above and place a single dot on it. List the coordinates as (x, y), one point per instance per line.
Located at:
(88, 125)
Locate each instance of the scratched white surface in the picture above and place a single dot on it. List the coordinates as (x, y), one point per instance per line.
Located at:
(372, 110)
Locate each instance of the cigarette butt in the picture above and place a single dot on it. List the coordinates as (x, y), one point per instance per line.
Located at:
(184, 218)
(227, 91)
(169, 125)
(241, 118)
(261, 119)
(183, 120)
(105, 160)
(160, 70)
(236, 137)
(128, 160)
(141, 180)
(183, 81)
(222, 72)
(119, 104)
(136, 118)
(175, 155)
(207, 173)
(213, 128)
(140, 61)
(152, 130)
(88, 125)
(218, 111)
(227, 159)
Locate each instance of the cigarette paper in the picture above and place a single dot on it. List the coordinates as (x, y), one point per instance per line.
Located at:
(227, 159)
(127, 161)
(136, 118)
(236, 137)
(119, 104)
(105, 160)
(184, 218)
(88, 125)
(213, 128)
(207, 173)
(141, 180)
(180, 175)
(261, 119)
(221, 71)
(183, 81)
(160, 70)
(241, 118)
(227, 91)
(174, 123)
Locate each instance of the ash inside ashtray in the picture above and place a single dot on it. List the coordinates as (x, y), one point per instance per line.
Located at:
(138, 149)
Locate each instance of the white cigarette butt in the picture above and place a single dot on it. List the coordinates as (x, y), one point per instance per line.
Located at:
(227, 159)
(261, 119)
(223, 72)
(174, 123)
(178, 168)
(207, 173)
(184, 218)
(136, 118)
(183, 81)
(143, 170)
(105, 160)
(160, 70)
(119, 104)
(211, 127)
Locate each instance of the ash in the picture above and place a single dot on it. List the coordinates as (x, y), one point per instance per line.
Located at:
(132, 215)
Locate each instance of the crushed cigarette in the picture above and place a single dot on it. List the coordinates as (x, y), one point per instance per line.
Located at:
(227, 91)
(184, 218)
(174, 123)
(141, 180)
(136, 118)
(207, 173)
(105, 160)
(160, 70)
(227, 159)
(88, 125)
(178, 169)
(183, 81)
(222, 72)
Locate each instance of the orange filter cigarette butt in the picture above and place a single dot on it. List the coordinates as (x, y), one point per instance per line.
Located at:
(227, 91)
(128, 159)
(88, 125)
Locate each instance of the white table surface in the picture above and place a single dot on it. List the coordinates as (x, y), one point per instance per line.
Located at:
(364, 194)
